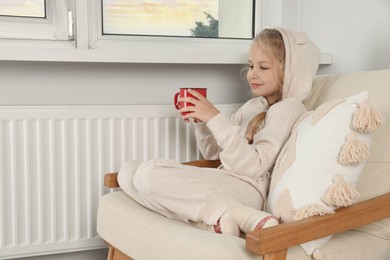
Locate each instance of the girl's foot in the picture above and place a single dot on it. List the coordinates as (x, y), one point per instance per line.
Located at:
(249, 219)
(268, 221)
(226, 225)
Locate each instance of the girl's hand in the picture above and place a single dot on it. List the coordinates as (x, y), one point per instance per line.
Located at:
(202, 109)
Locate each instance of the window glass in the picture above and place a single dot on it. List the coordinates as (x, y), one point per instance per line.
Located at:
(23, 8)
(182, 18)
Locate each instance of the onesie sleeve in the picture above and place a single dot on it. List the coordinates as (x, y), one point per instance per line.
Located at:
(207, 144)
(257, 159)
(205, 139)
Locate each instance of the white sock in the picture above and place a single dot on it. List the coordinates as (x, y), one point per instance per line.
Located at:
(226, 225)
(249, 219)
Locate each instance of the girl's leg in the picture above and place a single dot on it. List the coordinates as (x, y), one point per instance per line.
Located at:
(249, 219)
(158, 188)
(125, 180)
(190, 194)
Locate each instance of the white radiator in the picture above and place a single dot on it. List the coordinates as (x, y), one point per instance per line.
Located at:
(52, 162)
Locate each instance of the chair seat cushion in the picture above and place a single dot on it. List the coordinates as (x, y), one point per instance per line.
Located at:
(143, 234)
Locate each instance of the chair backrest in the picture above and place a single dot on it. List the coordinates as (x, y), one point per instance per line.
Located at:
(375, 179)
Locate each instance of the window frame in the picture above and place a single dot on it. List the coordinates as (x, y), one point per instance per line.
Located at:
(37, 42)
(160, 49)
(32, 31)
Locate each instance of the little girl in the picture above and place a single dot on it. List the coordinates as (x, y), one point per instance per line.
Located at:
(229, 200)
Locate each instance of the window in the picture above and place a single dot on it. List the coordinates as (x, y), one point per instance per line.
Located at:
(182, 18)
(237, 23)
(23, 8)
(33, 20)
(85, 30)
(220, 31)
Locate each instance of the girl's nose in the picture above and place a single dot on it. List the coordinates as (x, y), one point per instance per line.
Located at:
(253, 75)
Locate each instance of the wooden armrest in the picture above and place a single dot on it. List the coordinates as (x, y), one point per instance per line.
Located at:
(204, 163)
(110, 179)
(276, 240)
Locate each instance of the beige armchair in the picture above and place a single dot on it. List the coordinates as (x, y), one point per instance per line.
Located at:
(133, 232)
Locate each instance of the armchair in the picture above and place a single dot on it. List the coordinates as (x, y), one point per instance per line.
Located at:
(133, 232)
(274, 242)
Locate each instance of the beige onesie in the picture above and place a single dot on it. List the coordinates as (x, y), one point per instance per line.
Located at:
(188, 193)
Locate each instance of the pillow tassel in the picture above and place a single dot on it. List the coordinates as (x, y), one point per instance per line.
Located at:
(366, 118)
(353, 151)
(340, 193)
(311, 210)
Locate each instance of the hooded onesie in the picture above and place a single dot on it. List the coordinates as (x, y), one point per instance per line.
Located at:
(193, 194)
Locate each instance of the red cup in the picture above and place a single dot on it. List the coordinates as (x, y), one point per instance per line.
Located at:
(184, 93)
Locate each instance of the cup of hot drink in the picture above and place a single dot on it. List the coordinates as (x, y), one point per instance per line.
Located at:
(184, 93)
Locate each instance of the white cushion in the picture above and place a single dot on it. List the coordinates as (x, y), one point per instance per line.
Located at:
(319, 167)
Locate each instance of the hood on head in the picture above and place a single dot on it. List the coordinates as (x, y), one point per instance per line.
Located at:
(301, 63)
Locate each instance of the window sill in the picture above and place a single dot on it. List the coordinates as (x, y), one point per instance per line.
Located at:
(230, 55)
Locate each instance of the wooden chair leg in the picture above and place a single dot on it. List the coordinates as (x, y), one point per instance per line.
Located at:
(281, 255)
(110, 253)
(115, 254)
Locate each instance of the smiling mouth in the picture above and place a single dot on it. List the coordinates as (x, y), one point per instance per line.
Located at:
(255, 85)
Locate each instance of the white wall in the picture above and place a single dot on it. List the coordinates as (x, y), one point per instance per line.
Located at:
(356, 32)
(114, 83)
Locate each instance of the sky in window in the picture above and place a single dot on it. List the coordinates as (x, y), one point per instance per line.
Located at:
(34, 8)
(175, 17)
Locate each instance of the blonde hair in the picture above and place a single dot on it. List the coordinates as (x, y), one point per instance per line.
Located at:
(272, 42)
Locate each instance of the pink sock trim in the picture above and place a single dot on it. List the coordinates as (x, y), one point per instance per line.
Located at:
(261, 224)
(217, 228)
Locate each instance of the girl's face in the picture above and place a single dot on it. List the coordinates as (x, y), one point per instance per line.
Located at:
(261, 75)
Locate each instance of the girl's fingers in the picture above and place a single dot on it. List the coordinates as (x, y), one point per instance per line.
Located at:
(188, 99)
(188, 116)
(196, 94)
(187, 109)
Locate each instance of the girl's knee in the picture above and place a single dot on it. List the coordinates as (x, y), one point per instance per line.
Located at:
(144, 179)
(126, 174)
(154, 177)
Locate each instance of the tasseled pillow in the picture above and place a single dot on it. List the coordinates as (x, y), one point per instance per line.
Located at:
(320, 165)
